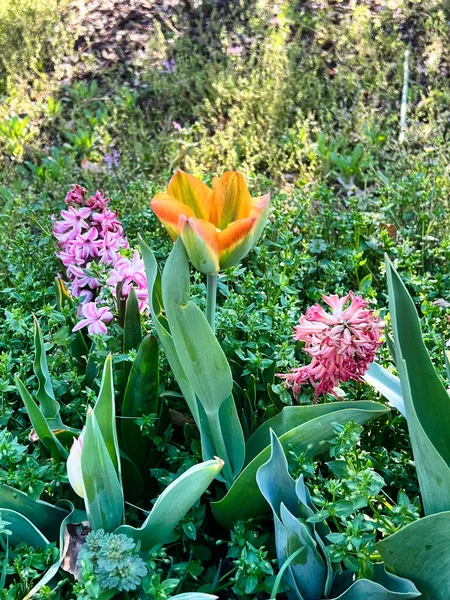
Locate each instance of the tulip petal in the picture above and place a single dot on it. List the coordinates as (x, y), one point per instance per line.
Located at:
(74, 466)
(232, 200)
(168, 209)
(193, 192)
(235, 241)
(260, 210)
(200, 240)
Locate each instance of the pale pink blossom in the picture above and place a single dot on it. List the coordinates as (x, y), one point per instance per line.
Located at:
(110, 248)
(128, 273)
(107, 221)
(342, 343)
(94, 319)
(72, 224)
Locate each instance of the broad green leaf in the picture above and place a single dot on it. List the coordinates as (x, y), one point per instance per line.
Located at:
(232, 434)
(311, 437)
(427, 402)
(45, 394)
(173, 504)
(46, 517)
(203, 359)
(105, 414)
(387, 384)
(40, 425)
(73, 516)
(103, 494)
(446, 359)
(421, 552)
(293, 416)
(193, 596)
(162, 328)
(23, 530)
(384, 586)
(307, 573)
(132, 333)
(141, 397)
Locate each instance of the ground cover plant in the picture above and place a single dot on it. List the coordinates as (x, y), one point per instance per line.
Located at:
(224, 300)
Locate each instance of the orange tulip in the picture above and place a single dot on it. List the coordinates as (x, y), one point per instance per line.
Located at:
(218, 226)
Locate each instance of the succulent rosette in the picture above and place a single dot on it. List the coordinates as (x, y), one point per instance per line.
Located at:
(218, 226)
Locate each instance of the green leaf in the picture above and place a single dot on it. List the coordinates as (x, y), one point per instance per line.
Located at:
(311, 437)
(387, 384)
(293, 416)
(73, 516)
(105, 414)
(385, 586)
(40, 425)
(173, 504)
(132, 333)
(103, 491)
(46, 517)
(193, 596)
(23, 530)
(162, 328)
(427, 403)
(203, 359)
(141, 397)
(421, 552)
(45, 394)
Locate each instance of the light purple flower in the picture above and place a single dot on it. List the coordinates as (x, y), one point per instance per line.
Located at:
(235, 50)
(177, 126)
(94, 318)
(128, 273)
(169, 66)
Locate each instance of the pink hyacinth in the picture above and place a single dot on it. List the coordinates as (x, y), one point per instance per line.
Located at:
(90, 239)
(127, 274)
(75, 195)
(94, 318)
(342, 344)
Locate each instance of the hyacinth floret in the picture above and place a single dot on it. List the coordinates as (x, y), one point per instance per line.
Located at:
(341, 343)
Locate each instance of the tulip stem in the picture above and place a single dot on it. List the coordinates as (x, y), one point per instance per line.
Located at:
(219, 445)
(211, 295)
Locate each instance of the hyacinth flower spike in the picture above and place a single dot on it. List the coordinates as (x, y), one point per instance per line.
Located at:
(218, 226)
(342, 343)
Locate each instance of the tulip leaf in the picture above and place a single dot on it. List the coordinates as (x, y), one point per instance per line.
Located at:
(427, 402)
(231, 446)
(173, 504)
(73, 516)
(421, 552)
(22, 529)
(162, 328)
(203, 359)
(311, 437)
(384, 586)
(46, 517)
(293, 416)
(105, 414)
(103, 494)
(141, 397)
(132, 333)
(193, 596)
(45, 394)
(387, 384)
(40, 424)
